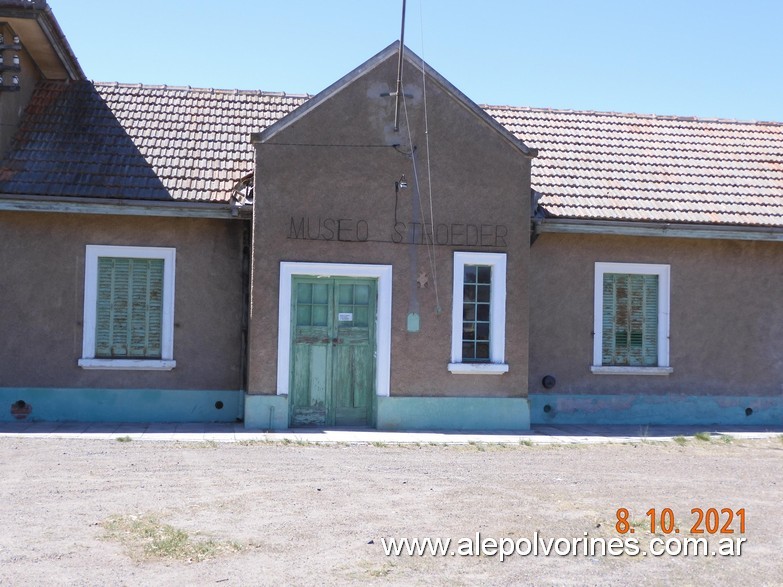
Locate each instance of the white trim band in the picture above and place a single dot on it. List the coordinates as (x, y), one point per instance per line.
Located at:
(664, 278)
(602, 370)
(383, 273)
(130, 364)
(478, 368)
(93, 252)
(497, 309)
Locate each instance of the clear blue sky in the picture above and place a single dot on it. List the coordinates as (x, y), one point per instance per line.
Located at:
(684, 57)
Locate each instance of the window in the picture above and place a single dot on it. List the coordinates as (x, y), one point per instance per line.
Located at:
(631, 329)
(128, 308)
(478, 329)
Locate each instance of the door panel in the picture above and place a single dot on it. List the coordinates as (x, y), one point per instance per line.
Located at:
(311, 352)
(333, 366)
(354, 361)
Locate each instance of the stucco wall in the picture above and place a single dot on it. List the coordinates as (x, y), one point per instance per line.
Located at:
(726, 319)
(339, 162)
(42, 289)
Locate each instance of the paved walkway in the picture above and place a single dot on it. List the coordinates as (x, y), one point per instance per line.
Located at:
(237, 433)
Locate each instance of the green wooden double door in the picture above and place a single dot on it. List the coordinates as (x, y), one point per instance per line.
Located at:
(333, 351)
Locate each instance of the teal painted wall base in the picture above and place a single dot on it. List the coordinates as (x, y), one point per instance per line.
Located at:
(266, 412)
(270, 412)
(453, 413)
(118, 405)
(668, 409)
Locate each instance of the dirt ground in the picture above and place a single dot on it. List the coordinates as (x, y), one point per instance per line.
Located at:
(82, 512)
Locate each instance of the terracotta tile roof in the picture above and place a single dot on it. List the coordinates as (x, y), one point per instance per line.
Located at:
(138, 142)
(609, 166)
(156, 142)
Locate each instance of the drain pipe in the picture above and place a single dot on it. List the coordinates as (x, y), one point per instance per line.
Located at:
(246, 250)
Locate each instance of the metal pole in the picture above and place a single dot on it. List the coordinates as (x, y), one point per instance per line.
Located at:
(398, 92)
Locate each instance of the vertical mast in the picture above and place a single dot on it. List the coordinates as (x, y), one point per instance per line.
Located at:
(398, 91)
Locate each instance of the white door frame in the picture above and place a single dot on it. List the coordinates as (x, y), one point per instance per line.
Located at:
(383, 273)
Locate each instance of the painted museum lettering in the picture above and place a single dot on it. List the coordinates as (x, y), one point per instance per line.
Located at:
(329, 229)
(471, 235)
(415, 233)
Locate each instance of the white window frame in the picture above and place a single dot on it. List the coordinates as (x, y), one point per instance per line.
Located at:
(383, 273)
(88, 360)
(663, 273)
(497, 315)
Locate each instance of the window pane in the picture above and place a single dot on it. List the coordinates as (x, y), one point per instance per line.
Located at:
(482, 293)
(475, 313)
(303, 315)
(346, 295)
(320, 315)
(484, 274)
(304, 293)
(361, 316)
(362, 294)
(320, 294)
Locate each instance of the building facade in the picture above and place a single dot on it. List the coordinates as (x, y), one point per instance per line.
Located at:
(384, 256)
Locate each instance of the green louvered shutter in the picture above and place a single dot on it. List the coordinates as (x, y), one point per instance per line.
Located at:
(630, 320)
(129, 308)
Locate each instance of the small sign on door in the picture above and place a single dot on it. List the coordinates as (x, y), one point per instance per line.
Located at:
(345, 317)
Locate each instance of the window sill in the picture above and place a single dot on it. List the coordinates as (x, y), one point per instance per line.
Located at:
(603, 370)
(129, 364)
(478, 368)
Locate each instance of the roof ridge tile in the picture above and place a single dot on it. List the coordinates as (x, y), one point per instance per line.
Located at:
(234, 91)
(536, 109)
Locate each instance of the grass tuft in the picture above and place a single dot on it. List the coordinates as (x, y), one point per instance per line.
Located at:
(123, 439)
(681, 440)
(147, 538)
(703, 436)
(383, 571)
(479, 446)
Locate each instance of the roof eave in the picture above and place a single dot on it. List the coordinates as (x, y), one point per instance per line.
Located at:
(301, 111)
(42, 14)
(414, 60)
(62, 47)
(657, 229)
(470, 105)
(119, 207)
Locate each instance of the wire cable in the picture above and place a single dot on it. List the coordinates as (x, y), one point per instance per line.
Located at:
(433, 263)
(428, 241)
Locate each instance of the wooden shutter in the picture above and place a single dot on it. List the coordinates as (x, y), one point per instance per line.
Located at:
(630, 320)
(129, 308)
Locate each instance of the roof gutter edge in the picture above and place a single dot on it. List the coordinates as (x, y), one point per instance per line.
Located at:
(60, 44)
(653, 229)
(30, 203)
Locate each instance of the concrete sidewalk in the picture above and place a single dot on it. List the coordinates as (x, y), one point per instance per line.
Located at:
(237, 433)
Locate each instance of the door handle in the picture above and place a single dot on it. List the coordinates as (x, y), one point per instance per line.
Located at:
(335, 341)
